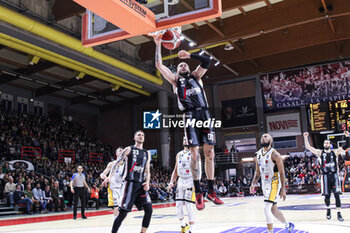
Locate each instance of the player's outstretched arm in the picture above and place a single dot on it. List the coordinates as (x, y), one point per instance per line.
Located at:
(165, 71)
(345, 146)
(200, 71)
(120, 159)
(310, 148)
(279, 163)
(104, 174)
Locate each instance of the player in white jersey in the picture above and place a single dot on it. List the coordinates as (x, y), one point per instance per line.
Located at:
(185, 193)
(116, 184)
(270, 168)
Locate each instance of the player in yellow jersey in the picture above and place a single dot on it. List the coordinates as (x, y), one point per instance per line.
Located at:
(270, 168)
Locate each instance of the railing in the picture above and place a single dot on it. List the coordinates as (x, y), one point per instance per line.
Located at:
(28, 151)
(226, 158)
(95, 158)
(62, 154)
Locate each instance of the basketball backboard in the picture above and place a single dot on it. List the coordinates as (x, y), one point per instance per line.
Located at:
(106, 21)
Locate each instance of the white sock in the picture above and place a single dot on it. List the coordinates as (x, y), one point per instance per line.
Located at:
(183, 223)
(191, 228)
(114, 217)
(270, 231)
(286, 224)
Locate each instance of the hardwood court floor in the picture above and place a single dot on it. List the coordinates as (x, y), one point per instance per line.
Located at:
(236, 215)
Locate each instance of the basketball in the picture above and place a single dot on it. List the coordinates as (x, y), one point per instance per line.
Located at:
(171, 39)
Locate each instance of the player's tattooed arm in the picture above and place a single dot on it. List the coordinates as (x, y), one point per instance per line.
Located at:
(200, 71)
(165, 71)
(276, 157)
(119, 160)
(310, 148)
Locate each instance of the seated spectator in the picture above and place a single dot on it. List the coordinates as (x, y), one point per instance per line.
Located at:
(39, 196)
(29, 194)
(10, 188)
(222, 190)
(20, 198)
(20, 182)
(95, 196)
(231, 188)
(48, 198)
(57, 196)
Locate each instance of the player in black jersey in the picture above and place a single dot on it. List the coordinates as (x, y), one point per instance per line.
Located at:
(193, 103)
(137, 182)
(330, 171)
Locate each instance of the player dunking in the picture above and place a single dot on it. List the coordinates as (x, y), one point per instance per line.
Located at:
(115, 187)
(329, 168)
(193, 102)
(269, 166)
(137, 182)
(184, 190)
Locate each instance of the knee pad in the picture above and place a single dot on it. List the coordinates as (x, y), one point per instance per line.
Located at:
(179, 209)
(337, 200)
(190, 212)
(148, 214)
(268, 212)
(327, 200)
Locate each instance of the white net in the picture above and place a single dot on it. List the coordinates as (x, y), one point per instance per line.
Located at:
(161, 32)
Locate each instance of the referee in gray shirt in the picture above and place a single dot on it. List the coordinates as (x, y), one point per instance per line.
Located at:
(77, 184)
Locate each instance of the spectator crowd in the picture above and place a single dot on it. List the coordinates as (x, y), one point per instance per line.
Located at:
(50, 133)
(302, 170)
(47, 188)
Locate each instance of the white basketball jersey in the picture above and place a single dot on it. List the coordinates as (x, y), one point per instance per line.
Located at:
(266, 166)
(184, 170)
(117, 177)
(184, 164)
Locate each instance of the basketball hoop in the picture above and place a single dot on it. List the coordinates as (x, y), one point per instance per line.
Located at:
(161, 32)
(127, 18)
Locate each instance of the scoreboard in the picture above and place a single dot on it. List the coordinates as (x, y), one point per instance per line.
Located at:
(330, 116)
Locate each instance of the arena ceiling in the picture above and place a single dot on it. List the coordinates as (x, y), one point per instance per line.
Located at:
(266, 35)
